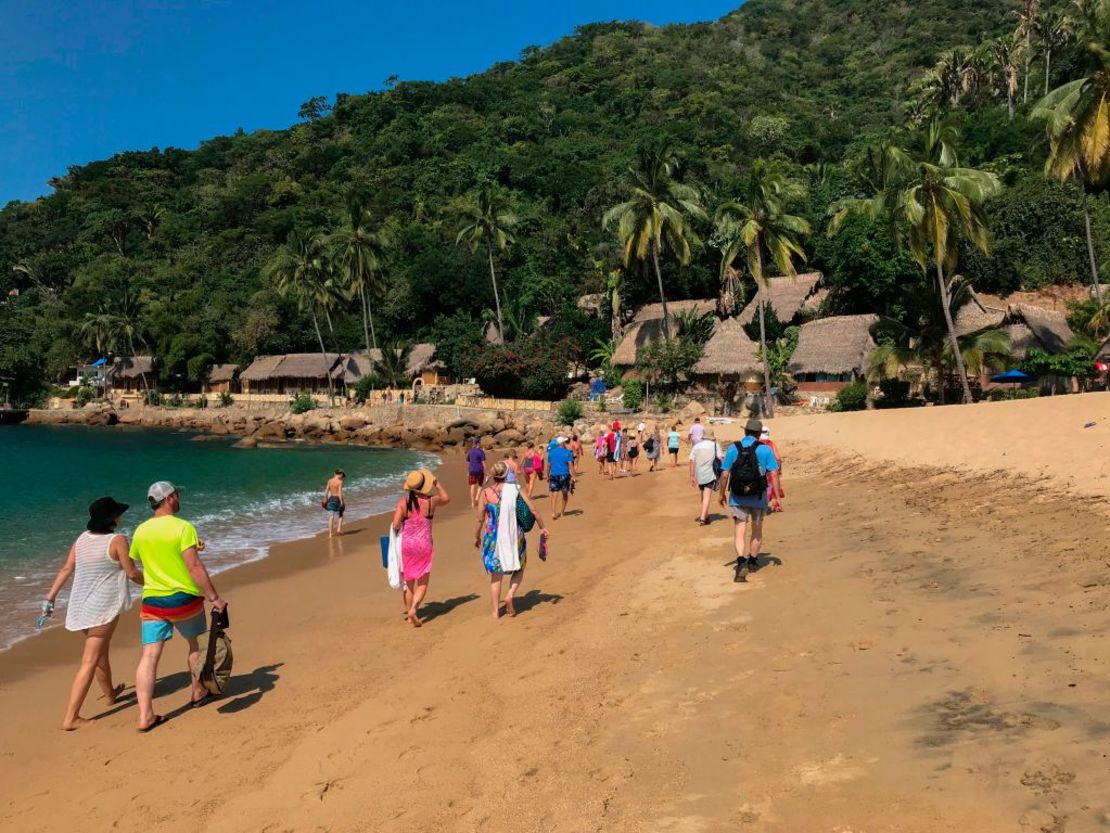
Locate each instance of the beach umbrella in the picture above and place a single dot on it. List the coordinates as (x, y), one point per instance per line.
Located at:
(1014, 376)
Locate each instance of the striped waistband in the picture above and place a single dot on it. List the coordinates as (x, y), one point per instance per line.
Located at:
(177, 607)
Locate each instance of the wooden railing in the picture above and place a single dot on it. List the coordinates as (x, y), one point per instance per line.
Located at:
(494, 404)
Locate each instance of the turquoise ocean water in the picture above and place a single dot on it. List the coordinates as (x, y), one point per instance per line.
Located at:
(241, 500)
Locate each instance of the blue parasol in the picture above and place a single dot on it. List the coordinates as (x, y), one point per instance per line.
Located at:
(1013, 376)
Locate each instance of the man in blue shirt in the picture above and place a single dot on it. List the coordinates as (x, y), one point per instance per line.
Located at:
(751, 507)
(561, 475)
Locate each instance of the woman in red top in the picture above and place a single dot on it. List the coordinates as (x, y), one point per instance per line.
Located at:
(533, 468)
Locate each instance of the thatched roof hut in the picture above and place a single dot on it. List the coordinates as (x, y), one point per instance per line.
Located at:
(834, 346)
(647, 326)
(220, 373)
(353, 366)
(1049, 328)
(786, 296)
(313, 366)
(132, 367)
(729, 352)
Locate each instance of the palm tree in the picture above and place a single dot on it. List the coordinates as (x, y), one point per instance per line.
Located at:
(1055, 30)
(299, 270)
(656, 217)
(128, 315)
(99, 328)
(758, 223)
(1001, 55)
(929, 203)
(1028, 23)
(1078, 117)
(392, 369)
(942, 203)
(614, 281)
(489, 221)
(362, 245)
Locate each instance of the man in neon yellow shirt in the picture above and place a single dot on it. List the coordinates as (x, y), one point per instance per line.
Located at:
(175, 585)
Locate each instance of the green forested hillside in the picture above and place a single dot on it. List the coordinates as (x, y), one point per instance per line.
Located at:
(173, 242)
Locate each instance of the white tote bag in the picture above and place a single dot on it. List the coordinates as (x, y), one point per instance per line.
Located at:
(393, 560)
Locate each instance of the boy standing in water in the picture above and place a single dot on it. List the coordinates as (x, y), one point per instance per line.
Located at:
(335, 502)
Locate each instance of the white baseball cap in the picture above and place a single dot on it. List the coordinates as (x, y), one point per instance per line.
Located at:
(766, 432)
(159, 491)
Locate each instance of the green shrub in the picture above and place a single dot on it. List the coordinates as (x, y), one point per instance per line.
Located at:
(570, 411)
(851, 398)
(153, 397)
(226, 400)
(362, 389)
(84, 396)
(302, 403)
(201, 402)
(665, 402)
(633, 394)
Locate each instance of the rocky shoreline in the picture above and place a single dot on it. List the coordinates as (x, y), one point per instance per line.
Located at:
(420, 427)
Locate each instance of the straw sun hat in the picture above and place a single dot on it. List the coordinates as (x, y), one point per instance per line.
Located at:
(421, 481)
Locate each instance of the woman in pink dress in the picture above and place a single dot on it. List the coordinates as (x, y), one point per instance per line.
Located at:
(413, 519)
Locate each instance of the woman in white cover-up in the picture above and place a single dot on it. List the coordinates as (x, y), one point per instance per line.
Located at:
(100, 567)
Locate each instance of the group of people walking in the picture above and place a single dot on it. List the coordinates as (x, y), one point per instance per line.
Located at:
(506, 514)
(163, 558)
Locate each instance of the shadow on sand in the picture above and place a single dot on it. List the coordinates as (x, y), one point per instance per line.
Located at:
(529, 600)
(433, 610)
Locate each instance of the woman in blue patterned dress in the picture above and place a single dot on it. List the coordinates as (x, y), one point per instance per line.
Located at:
(485, 538)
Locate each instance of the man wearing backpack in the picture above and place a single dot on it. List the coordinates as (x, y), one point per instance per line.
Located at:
(745, 472)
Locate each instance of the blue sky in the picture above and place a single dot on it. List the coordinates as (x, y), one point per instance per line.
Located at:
(83, 79)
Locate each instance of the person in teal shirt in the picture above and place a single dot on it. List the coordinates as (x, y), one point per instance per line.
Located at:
(673, 441)
(747, 509)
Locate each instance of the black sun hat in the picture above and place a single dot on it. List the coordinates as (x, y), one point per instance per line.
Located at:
(102, 512)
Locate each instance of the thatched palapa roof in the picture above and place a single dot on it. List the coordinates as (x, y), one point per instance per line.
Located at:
(647, 326)
(354, 366)
(1050, 328)
(834, 345)
(786, 296)
(982, 312)
(222, 373)
(729, 352)
(290, 366)
(132, 367)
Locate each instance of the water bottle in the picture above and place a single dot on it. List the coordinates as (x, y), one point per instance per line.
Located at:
(47, 612)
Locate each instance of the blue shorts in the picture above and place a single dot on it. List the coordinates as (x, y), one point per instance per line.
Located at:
(559, 483)
(155, 632)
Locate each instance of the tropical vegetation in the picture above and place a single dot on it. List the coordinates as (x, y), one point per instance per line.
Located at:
(475, 213)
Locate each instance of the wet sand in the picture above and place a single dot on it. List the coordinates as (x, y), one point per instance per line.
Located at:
(924, 649)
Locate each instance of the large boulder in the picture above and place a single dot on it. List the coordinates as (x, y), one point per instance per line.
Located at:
(455, 436)
(351, 423)
(429, 431)
(693, 409)
(510, 437)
